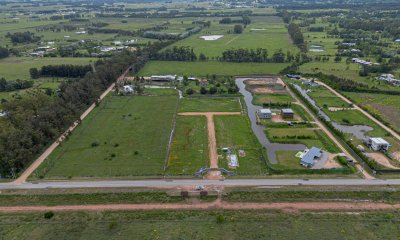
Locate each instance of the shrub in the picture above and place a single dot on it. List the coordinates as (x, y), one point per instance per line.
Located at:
(220, 218)
(48, 215)
(95, 144)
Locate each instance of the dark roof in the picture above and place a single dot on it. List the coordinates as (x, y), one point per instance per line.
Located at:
(308, 158)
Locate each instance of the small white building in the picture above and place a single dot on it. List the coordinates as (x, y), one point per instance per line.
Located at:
(128, 89)
(378, 144)
(233, 161)
(117, 43)
(264, 113)
(163, 78)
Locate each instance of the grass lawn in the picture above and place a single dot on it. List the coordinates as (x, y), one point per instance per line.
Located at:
(256, 224)
(120, 138)
(209, 68)
(326, 98)
(313, 137)
(260, 99)
(235, 132)
(189, 150)
(287, 159)
(209, 105)
(12, 68)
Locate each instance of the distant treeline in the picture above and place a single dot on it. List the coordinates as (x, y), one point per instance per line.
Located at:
(183, 53)
(12, 85)
(296, 35)
(245, 20)
(170, 36)
(68, 71)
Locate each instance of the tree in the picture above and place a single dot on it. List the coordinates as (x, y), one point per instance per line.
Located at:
(203, 90)
(34, 72)
(202, 57)
(189, 91)
(213, 90)
(238, 29)
(4, 52)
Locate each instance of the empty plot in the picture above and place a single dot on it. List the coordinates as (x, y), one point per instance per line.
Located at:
(124, 136)
(189, 150)
(209, 105)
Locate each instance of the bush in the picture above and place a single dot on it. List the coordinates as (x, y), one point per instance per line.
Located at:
(203, 90)
(48, 215)
(189, 91)
(220, 219)
(95, 144)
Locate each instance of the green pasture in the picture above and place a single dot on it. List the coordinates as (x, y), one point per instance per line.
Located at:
(12, 68)
(120, 138)
(189, 150)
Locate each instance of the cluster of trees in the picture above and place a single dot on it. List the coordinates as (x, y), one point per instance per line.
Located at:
(35, 120)
(296, 35)
(238, 29)
(22, 37)
(382, 68)
(171, 36)
(183, 53)
(64, 70)
(4, 52)
(8, 86)
(227, 20)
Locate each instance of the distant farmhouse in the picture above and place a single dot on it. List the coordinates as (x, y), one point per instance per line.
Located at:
(389, 78)
(264, 113)
(363, 62)
(287, 113)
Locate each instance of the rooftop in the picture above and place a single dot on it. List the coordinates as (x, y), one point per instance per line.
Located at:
(287, 111)
(309, 157)
(379, 140)
(265, 110)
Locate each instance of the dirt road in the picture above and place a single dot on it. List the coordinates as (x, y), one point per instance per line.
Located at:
(216, 205)
(212, 140)
(22, 178)
(330, 135)
(393, 133)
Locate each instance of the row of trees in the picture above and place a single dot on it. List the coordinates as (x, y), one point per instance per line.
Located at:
(176, 53)
(8, 86)
(37, 119)
(68, 71)
(258, 55)
(296, 35)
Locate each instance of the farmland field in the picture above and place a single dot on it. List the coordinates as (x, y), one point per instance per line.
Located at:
(200, 225)
(209, 68)
(120, 138)
(235, 132)
(189, 150)
(209, 105)
(273, 36)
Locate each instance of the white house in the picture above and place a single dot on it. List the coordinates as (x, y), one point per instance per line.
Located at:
(378, 144)
(233, 161)
(264, 113)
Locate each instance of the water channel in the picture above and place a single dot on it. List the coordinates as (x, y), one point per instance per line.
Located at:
(259, 129)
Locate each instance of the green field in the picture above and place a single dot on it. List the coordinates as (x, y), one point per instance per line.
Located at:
(273, 37)
(189, 150)
(18, 67)
(209, 105)
(120, 138)
(209, 68)
(260, 224)
(386, 106)
(235, 132)
(308, 137)
(325, 98)
(273, 98)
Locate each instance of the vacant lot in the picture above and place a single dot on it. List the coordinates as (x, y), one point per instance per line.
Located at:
(200, 225)
(326, 98)
(189, 150)
(124, 136)
(235, 132)
(209, 105)
(209, 68)
(386, 106)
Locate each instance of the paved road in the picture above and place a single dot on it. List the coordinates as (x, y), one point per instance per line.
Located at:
(395, 134)
(196, 182)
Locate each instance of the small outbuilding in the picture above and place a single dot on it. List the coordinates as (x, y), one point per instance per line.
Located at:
(287, 113)
(128, 89)
(264, 113)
